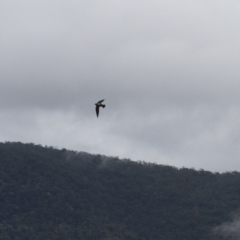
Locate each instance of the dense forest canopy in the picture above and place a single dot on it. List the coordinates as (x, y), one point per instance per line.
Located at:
(49, 193)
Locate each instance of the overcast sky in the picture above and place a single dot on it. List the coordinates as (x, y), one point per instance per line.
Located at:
(169, 72)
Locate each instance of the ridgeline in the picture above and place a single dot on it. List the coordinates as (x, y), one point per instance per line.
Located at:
(56, 194)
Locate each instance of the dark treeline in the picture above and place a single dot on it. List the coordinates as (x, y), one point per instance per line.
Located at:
(49, 193)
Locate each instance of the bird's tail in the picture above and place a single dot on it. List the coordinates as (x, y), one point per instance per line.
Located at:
(103, 105)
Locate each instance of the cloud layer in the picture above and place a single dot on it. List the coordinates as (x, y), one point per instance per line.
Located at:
(169, 72)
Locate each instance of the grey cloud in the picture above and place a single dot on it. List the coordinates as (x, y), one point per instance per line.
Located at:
(229, 230)
(77, 46)
(168, 71)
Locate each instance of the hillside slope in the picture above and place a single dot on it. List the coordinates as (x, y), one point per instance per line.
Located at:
(48, 193)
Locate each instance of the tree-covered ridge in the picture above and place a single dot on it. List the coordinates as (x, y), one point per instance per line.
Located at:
(47, 193)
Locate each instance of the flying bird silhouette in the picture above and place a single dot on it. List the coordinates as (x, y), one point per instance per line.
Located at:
(98, 105)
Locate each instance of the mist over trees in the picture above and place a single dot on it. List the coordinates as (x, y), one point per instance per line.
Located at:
(49, 193)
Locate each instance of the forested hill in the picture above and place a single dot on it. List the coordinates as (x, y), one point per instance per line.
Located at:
(47, 193)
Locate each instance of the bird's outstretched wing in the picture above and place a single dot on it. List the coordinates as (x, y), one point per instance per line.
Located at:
(97, 110)
(100, 101)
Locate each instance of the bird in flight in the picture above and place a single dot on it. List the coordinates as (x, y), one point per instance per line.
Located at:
(98, 105)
